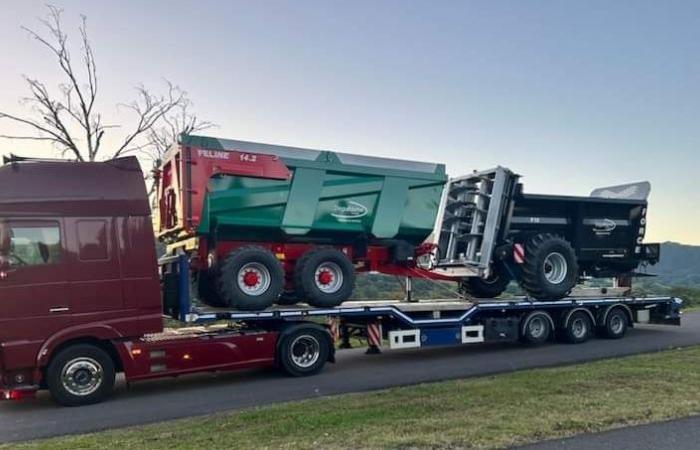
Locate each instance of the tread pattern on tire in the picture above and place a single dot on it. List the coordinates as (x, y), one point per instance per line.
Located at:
(305, 287)
(531, 269)
(228, 282)
(207, 289)
(478, 288)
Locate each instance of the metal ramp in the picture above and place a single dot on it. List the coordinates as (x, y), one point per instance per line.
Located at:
(472, 213)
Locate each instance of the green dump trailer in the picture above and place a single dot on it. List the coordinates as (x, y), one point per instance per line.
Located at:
(227, 200)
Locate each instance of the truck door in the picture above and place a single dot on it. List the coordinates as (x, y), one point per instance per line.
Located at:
(94, 273)
(34, 301)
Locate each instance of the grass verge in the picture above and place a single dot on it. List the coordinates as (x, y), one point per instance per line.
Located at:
(488, 412)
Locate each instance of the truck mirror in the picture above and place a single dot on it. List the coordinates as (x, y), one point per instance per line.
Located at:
(5, 238)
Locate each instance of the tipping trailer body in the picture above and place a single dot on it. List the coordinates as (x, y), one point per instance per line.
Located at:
(237, 190)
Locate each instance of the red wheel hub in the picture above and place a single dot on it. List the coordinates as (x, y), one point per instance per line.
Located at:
(325, 277)
(251, 279)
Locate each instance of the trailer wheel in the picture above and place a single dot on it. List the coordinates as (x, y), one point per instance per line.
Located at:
(578, 328)
(325, 277)
(615, 325)
(303, 349)
(550, 269)
(251, 278)
(288, 298)
(536, 328)
(206, 289)
(81, 374)
(490, 287)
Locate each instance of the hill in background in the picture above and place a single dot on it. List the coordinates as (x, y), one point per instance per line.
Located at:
(679, 265)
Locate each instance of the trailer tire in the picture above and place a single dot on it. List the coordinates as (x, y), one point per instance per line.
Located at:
(337, 270)
(578, 327)
(550, 269)
(288, 298)
(251, 279)
(81, 374)
(537, 328)
(491, 287)
(206, 289)
(615, 325)
(303, 349)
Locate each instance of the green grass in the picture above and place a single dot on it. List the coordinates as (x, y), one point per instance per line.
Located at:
(488, 412)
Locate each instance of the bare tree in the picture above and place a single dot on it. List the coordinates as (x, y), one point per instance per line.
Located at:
(70, 120)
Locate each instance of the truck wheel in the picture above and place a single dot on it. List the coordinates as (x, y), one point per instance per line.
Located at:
(615, 325)
(251, 279)
(325, 277)
(490, 287)
(536, 328)
(550, 269)
(79, 375)
(303, 349)
(579, 328)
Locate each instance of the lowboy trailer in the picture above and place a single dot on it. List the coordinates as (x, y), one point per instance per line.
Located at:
(83, 298)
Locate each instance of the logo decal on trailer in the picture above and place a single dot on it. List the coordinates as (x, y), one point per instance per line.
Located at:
(603, 227)
(348, 211)
(213, 154)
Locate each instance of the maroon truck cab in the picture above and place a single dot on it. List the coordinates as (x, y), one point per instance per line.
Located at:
(79, 261)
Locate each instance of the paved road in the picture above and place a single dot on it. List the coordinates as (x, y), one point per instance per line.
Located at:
(682, 434)
(160, 400)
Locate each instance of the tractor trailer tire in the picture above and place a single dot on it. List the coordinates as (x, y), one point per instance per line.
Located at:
(550, 269)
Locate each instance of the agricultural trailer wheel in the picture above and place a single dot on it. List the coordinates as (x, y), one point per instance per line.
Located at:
(490, 287)
(324, 277)
(207, 289)
(251, 278)
(550, 269)
(288, 297)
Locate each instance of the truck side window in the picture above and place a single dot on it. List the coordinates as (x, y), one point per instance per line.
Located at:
(93, 240)
(34, 245)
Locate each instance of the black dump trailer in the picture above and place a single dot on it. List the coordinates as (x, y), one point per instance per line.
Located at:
(490, 232)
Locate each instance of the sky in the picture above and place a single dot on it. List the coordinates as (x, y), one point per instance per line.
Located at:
(571, 95)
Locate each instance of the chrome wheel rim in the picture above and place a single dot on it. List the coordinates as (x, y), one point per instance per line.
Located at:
(328, 277)
(555, 268)
(579, 328)
(536, 327)
(82, 376)
(305, 351)
(254, 279)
